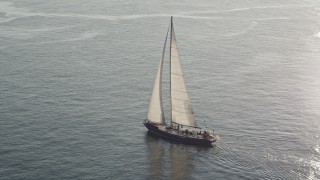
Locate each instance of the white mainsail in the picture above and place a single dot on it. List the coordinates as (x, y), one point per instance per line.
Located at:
(156, 113)
(181, 109)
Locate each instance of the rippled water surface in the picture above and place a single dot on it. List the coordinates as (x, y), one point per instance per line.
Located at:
(76, 79)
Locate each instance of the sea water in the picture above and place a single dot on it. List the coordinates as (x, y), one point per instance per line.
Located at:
(76, 79)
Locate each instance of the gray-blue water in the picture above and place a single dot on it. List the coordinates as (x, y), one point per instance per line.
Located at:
(76, 78)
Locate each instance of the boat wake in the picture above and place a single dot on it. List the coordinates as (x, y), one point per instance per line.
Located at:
(244, 31)
(12, 12)
(267, 166)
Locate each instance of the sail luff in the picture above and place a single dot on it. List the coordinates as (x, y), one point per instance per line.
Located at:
(156, 112)
(181, 108)
(160, 83)
(171, 26)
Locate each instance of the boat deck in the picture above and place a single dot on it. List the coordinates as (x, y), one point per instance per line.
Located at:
(183, 135)
(184, 132)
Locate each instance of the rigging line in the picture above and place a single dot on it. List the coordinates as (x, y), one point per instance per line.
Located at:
(180, 99)
(170, 94)
(179, 91)
(181, 107)
(160, 80)
(188, 125)
(177, 74)
(181, 112)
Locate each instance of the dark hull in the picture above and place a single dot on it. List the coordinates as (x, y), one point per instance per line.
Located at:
(178, 138)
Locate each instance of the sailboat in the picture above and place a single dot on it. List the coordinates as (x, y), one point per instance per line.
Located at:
(182, 127)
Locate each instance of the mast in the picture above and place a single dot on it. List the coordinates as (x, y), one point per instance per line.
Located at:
(170, 70)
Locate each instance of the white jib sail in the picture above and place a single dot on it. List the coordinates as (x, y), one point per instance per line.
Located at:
(182, 112)
(156, 113)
